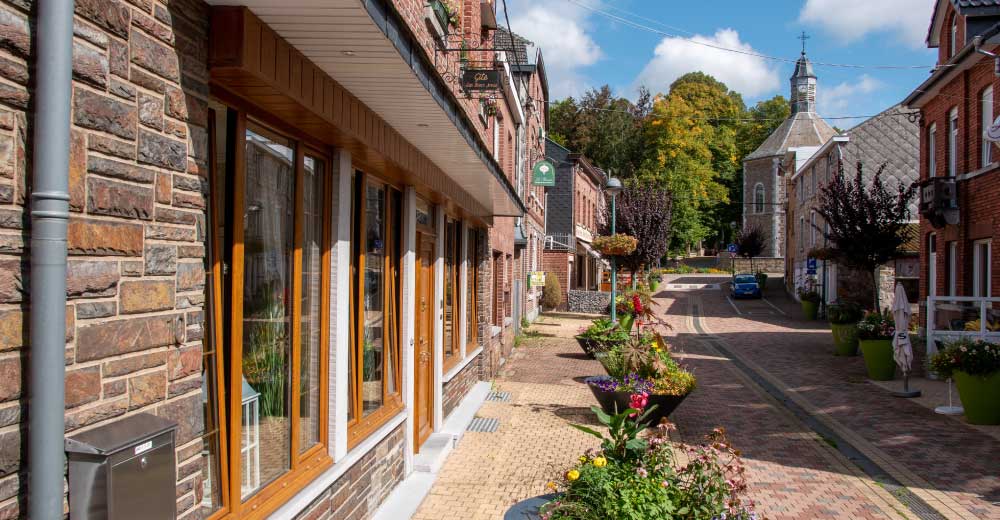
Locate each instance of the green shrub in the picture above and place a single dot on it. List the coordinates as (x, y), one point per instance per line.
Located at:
(552, 295)
(972, 356)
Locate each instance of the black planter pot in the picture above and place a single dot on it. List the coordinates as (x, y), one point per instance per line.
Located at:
(614, 402)
(588, 345)
(528, 509)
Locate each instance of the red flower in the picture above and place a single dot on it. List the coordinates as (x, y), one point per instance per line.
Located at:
(638, 401)
(637, 304)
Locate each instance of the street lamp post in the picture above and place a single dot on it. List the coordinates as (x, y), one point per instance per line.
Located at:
(613, 188)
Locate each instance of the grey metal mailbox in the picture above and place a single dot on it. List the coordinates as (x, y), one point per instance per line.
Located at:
(124, 470)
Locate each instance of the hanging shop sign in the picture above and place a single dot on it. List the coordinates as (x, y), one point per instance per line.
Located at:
(543, 174)
(480, 79)
(536, 279)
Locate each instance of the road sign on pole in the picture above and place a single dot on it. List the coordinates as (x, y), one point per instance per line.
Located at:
(732, 248)
(811, 266)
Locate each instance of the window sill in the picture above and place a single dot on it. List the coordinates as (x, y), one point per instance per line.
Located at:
(454, 371)
(976, 173)
(320, 484)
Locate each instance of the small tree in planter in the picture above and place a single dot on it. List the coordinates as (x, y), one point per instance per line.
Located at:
(809, 299)
(750, 242)
(866, 221)
(975, 366)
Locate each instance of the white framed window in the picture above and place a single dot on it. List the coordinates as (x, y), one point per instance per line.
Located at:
(932, 150)
(954, 35)
(981, 271)
(812, 229)
(802, 233)
(951, 265)
(932, 264)
(986, 116)
(758, 198)
(953, 142)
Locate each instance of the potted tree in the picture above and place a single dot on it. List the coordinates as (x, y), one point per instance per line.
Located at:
(975, 366)
(844, 319)
(875, 332)
(809, 299)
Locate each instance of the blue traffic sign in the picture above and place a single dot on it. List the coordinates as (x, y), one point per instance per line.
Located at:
(732, 248)
(811, 266)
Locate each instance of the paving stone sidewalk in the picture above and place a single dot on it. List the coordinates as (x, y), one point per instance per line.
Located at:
(793, 474)
(950, 464)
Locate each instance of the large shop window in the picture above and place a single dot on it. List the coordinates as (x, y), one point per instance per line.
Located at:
(269, 254)
(374, 369)
(452, 344)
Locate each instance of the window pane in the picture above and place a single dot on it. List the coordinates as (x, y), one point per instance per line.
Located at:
(373, 341)
(352, 394)
(470, 298)
(268, 219)
(393, 295)
(313, 230)
(449, 289)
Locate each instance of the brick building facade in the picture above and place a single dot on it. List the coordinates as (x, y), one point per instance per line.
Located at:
(249, 189)
(958, 166)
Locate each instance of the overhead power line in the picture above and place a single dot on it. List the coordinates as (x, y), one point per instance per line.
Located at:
(694, 41)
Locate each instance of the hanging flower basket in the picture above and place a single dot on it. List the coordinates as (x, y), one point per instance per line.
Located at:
(618, 244)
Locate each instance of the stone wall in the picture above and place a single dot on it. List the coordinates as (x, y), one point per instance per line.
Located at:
(591, 302)
(742, 265)
(137, 185)
(364, 487)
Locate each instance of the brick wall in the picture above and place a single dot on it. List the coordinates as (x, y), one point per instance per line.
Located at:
(359, 492)
(979, 196)
(455, 390)
(137, 195)
(558, 263)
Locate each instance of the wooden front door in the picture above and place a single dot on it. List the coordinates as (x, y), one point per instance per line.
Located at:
(423, 332)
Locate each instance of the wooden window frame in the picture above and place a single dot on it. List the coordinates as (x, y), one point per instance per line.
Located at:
(472, 291)
(305, 466)
(454, 274)
(360, 427)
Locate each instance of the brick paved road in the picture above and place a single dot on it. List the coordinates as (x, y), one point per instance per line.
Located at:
(794, 474)
(952, 466)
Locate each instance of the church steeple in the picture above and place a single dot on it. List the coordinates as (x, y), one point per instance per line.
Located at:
(803, 83)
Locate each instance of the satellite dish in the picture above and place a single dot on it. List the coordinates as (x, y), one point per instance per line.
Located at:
(993, 132)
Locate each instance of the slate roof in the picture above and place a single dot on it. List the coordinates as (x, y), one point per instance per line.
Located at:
(503, 40)
(890, 138)
(975, 3)
(801, 129)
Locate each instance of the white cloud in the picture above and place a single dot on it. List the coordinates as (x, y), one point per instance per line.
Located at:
(851, 20)
(749, 75)
(840, 99)
(562, 32)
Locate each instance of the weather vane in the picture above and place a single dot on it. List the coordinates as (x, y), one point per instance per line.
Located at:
(804, 37)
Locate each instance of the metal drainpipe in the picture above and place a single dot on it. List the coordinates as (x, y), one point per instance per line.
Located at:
(49, 216)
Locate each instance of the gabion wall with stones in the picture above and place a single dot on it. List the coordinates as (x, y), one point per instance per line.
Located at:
(591, 302)
(765, 264)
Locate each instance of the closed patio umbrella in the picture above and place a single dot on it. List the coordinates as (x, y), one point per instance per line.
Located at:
(902, 350)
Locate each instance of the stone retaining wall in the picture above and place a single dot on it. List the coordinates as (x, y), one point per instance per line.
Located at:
(765, 264)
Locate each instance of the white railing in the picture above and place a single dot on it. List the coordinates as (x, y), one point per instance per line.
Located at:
(952, 317)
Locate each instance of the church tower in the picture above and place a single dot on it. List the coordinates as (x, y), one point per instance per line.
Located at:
(803, 81)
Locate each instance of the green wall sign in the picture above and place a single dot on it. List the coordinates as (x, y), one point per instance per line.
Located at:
(543, 174)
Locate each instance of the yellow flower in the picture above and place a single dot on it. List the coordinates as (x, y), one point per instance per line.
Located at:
(600, 462)
(551, 486)
(572, 475)
(583, 458)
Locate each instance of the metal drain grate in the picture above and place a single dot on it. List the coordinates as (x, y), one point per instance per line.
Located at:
(500, 397)
(484, 424)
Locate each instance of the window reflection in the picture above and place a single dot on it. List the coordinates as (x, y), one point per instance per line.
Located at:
(373, 340)
(312, 281)
(269, 205)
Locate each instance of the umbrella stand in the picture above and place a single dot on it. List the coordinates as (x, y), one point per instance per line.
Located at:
(906, 392)
(951, 409)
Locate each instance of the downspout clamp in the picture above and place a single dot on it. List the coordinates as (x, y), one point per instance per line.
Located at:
(47, 298)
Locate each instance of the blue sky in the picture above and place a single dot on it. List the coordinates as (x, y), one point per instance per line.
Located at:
(584, 47)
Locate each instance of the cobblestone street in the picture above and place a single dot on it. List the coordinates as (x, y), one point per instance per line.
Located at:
(795, 471)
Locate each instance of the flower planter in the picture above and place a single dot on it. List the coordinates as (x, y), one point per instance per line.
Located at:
(762, 280)
(589, 346)
(613, 402)
(878, 359)
(845, 339)
(809, 309)
(528, 509)
(980, 397)
(654, 285)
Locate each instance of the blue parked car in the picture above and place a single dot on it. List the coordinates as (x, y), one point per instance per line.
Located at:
(746, 286)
